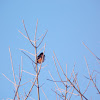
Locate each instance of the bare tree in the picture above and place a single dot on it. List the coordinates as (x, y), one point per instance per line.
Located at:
(70, 83)
(36, 66)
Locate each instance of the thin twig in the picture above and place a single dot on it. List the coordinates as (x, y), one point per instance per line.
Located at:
(18, 85)
(41, 49)
(12, 66)
(69, 79)
(66, 83)
(39, 37)
(44, 93)
(77, 84)
(8, 78)
(98, 59)
(28, 56)
(25, 36)
(91, 77)
(87, 87)
(72, 94)
(13, 73)
(58, 94)
(28, 73)
(25, 83)
(55, 82)
(96, 71)
(58, 71)
(28, 35)
(36, 31)
(44, 66)
(33, 84)
(36, 61)
(42, 38)
(27, 51)
(20, 77)
(59, 64)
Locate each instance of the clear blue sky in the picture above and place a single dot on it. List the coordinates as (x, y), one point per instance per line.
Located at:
(69, 22)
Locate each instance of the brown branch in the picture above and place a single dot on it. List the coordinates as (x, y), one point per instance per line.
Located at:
(20, 77)
(39, 37)
(98, 59)
(13, 73)
(37, 73)
(28, 72)
(8, 79)
(44, 93)
(58, 94)
(76, 89)
(91, 77)
(55, 83)
(36, 31)
(36, 62)
(87, 87)
(77, 84)
(28, 56)
(27, 52)
(27, 34)
(59, 64)
(33, 84)
(69, 79)
(71, 94)
(18, 84)
(42, 38)
(41, 49)
(58, 72)
(66, 83)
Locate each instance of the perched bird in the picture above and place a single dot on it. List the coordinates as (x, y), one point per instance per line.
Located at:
(40, 58)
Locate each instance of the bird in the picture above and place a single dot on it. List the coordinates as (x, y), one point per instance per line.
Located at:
(40, 58)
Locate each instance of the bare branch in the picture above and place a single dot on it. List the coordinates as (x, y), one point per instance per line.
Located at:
(39, 37)
(58, 71)
(69, 79)
(66, 83)
(25, 83)
(36, 31)
(8, 78)
(87, 87)
(42, 38)
(20, 77)
(28, 57)
(13, 73)
(28, 72)
(27, 52)
(12, 66)
(33, 83)
(71, 94)
(77, 84)
(44, 93)
(18, 86)
(59, 64)
(98, 59)
(55, 83)
(91, 77)
(58, 94)
(27, 34)
(41, 49)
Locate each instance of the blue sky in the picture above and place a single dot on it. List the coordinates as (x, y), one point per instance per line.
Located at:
(69, 22)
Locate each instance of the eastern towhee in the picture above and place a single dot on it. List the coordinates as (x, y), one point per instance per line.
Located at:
(40, 58)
